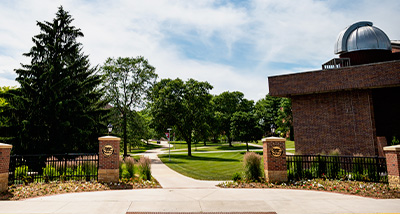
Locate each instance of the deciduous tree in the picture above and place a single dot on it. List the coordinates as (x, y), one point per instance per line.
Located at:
(181, 105)
(127, 83)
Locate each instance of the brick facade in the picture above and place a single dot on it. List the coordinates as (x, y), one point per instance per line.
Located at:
(329, 121)
(345, 108)
(109, 161)
(274, 155)
(5, 151)
(393, 164)
(377, 75)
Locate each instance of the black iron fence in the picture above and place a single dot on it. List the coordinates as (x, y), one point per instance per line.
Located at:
(44, 168)
(337, 167)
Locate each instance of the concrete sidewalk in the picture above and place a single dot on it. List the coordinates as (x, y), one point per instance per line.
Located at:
(182, 194)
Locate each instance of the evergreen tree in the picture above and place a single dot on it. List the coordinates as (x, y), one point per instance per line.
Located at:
(59, 93)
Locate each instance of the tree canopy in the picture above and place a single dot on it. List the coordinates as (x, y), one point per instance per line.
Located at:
(180, 105)
(127, 82)
(226, 104)
(58, 107)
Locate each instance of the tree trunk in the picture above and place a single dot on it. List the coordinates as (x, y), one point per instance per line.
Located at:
(125, 135)
(247, 146)
(189, 143)
(229, 140)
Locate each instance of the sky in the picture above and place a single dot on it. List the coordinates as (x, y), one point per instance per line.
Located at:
(234, 45)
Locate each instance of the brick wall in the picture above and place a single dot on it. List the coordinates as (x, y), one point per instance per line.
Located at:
(327, 121)
(274, 155)
(4, 159)
(109, 164)
(112, 161)
(393, 164)
(5, 151)
(385, 74)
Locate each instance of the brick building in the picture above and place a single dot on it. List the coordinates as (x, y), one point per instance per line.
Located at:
(353, 103)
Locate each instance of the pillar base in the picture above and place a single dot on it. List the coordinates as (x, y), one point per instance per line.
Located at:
(108, 175)
(3, 182)
(275, 176)
(394, 181)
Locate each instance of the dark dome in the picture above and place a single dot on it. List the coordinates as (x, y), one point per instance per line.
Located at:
(361, 36)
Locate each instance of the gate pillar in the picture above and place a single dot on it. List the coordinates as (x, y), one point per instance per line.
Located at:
(392, 154)
(5, 150)
(274, 154)
(108, 159)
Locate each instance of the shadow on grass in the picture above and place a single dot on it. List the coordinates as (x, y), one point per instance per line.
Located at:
(177, 159)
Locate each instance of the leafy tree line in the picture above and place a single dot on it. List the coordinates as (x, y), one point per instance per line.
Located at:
(60, 105)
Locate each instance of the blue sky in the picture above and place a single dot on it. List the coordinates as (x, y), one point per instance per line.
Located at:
(234, 45)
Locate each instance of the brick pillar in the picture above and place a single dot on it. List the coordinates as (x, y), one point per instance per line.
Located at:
(393, 164)
(108, 159)
(274, 153)
(5, 150)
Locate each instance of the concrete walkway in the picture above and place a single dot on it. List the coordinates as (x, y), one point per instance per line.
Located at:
(182, 194)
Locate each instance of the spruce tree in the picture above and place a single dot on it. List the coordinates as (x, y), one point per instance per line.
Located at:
(60, 92)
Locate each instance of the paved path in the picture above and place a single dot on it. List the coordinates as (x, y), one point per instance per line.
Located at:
(182, 194)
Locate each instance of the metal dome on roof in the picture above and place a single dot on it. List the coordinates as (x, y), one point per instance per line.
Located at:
(361, 36)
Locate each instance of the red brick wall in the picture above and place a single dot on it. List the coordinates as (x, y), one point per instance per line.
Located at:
(274, 163)
(327, 121)
(4, 159)
(393, 160)
(112, 161)
(385, 74)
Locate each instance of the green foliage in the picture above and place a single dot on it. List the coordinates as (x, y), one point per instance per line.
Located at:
(58, 107)
(225, 105)
(252, 166)
(127, 168)
(285, 118)
(244, 126)
(267, 111)
(127, 82)
(21, 172)
(181, 105)
(395, 141)
(50, 172)
(237, 176)
(145, 168)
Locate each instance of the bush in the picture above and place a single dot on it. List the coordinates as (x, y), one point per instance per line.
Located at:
(130, 166)
(49, 173)
(21, 171)
(145, 168)
(237, 176)
(252, 166)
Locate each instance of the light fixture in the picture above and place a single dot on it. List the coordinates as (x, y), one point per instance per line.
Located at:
(109, 127)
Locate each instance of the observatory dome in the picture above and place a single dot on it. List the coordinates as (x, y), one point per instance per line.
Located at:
(361, 36)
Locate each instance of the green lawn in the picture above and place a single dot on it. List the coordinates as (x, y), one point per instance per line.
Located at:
(143, 148)
(290, 145)
(206, 166)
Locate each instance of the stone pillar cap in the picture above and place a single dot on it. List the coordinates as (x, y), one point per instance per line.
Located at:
(392, 148)
(273, 139)
(109, 138)
(5, 146)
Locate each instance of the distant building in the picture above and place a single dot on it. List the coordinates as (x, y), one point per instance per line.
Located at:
(353, 103)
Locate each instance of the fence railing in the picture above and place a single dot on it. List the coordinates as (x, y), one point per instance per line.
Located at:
(44, 168)
(337, 167)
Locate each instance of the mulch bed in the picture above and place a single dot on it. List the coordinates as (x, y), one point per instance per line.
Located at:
(18, 192)
(366, 189)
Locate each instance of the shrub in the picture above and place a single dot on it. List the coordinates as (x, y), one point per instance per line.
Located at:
(145, 168)
(252, 166)
(21, 171)
(49, 172)
(130, 166)
(237, 176)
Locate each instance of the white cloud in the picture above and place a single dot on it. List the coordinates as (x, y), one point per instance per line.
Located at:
(299, 34)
